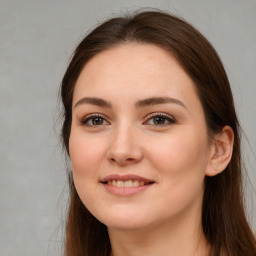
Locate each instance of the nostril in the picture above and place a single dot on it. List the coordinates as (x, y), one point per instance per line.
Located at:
(122, 160)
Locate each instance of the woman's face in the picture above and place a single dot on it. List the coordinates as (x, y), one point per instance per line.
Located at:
(138, 144)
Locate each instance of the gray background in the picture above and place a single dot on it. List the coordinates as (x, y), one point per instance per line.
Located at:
(36, 41)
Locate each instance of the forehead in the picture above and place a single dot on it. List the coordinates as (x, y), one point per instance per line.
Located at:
(134, 71)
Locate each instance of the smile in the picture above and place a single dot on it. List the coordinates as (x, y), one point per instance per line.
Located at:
(126, 185)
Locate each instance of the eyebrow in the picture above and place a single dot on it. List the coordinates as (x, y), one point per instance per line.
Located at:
(93, 101)
(140, 103)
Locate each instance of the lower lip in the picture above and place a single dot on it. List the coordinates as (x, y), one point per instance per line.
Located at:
(124, 191)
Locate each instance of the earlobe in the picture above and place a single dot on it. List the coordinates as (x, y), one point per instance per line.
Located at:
(221, 151)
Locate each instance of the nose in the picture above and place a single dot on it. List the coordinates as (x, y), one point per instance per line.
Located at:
(124, 147)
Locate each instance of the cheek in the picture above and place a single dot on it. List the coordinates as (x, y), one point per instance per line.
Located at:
(85, 154)
(181, 156)
(180, 163)
(86, 157)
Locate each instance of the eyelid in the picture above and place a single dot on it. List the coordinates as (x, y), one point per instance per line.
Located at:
(90, 116)
(168, 117)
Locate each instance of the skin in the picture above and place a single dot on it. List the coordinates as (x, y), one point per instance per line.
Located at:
(164, 219)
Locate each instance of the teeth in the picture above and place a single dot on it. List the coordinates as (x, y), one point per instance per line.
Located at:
(136, 183)
(120, 184)
(142, 183)
(127, 183)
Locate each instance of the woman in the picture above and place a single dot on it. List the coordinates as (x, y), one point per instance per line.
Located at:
(152, 134)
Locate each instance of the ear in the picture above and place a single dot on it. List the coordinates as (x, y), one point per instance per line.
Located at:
(221, 151)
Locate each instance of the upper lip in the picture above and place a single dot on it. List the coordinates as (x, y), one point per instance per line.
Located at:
(125, 178)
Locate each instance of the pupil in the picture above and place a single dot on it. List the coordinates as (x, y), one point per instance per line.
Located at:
(97, 121)
(159, 120)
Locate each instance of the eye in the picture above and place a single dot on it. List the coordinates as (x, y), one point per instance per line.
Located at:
(94, 120)
(159, 119)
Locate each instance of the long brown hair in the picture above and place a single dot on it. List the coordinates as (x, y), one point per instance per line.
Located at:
(223, 217)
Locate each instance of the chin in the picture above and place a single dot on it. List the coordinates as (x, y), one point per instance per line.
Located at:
(128, 225)
(132, 221)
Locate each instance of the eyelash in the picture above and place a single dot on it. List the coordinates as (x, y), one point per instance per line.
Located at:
(166, 117)
(90, 117)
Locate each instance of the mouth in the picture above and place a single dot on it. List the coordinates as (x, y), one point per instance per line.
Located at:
(126, 185)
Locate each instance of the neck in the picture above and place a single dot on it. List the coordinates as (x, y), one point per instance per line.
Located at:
(183, 237)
